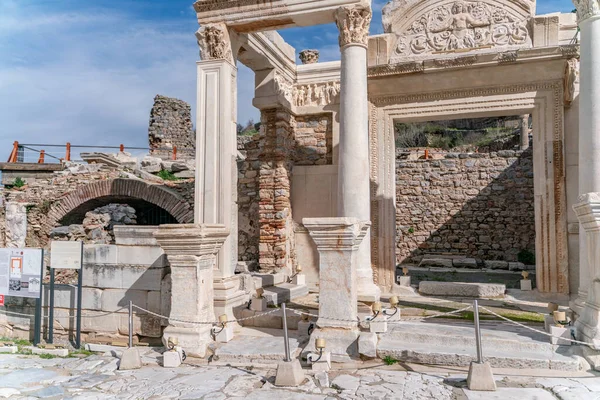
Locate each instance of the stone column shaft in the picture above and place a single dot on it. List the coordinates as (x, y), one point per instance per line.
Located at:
(524, 132)
(354, 195)
(191, 251)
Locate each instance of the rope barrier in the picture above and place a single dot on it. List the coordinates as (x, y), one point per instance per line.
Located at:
(533, 329)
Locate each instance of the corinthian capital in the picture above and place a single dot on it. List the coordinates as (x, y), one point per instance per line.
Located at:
(587, 9)
(214, 42)
(353, 24)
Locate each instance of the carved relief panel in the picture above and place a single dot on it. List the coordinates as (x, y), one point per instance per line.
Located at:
(312, 94)
(424, 28)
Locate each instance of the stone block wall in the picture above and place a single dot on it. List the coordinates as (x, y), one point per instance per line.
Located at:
(171, 125)
(478, 205)
(314, 140)
(266, 228)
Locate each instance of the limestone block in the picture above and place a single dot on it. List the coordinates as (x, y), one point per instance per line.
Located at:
(526, 285)
(225, 335)
(480, 377)
(154, 302)
(323, 364)
(9, 349)
(465, 263)
(54, 352)
(367, 344)
(378, 325)
(105, 323)
(130, 359)
(560, 334)
(460, 289)
(492, 264)
(103, 276)
(299, 279)
(436, 262)
(548, 322)
(546, 30)
(259, 305)
(404, 281)
(135, 235)
(289, 373)
(341, 343)
(165, 295)
(171, 359)
(142, 278)
(99, 254)
(516, 266)
(15, 224)
(139, 255)
(114, 299)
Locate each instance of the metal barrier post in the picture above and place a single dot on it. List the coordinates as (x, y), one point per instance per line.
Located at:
(51, 311)
(130, 324)
(285, 335)
(477, 332)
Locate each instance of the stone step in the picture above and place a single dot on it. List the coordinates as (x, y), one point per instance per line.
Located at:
(253, 347)
(504, 346)
(284, 292)
(460, 289)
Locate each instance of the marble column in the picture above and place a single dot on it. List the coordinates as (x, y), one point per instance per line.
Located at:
(354, 197)
(216, 156)
(524, 132)
(588, 15)
(192, 252)
(338, 242)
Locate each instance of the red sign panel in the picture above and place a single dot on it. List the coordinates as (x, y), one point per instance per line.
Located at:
(1, 299)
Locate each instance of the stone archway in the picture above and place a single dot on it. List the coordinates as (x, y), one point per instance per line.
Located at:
(154, 194)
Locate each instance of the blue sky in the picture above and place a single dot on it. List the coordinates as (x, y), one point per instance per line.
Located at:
(87, 71)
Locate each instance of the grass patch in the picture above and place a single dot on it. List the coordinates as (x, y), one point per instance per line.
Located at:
(47, 356)
(167, 175)
(81, 351)
(389, 360)
(18, 342)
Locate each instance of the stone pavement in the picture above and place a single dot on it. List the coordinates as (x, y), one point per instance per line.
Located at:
(97, 377)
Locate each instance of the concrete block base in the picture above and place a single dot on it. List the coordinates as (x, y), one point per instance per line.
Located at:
(225, 335)
(289, 373)
(171, 359)
(562, 333)
(404, 281)
(548, 322)
(259, 305)
(324, 363)
(378, 325)
(130, 360)
(299, 279)
(481, 378)
(526, 285)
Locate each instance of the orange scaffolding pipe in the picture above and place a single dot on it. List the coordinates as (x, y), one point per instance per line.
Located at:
(13, 155)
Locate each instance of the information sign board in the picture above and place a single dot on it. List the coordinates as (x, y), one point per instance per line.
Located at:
(65, 255)
(21, 272)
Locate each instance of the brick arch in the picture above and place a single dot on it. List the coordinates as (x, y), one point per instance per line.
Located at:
(154, 194)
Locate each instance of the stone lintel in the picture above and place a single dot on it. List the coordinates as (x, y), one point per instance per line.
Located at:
(260, 15)
(191, 239)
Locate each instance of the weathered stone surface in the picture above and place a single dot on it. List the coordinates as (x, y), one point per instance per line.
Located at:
(459, 289)
(289, 373)
(465, 263)
(367, 344)
(16, 224)
(496, 264)
(130, 359)
(480, 378)
(436, 262)
(171, 126)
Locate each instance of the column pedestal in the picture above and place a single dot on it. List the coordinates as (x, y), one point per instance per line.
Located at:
(338, 241)
(354, 193)
(191, 251)
(588, 213)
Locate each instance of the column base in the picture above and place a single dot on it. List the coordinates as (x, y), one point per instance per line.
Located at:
(194, 339)
(341, 343)
(578, 303)
(228, 296)
(588, 324)
(368, 292)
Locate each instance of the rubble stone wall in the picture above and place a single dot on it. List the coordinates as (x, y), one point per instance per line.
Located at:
(475, 205)
(170, 126)
(314, 140)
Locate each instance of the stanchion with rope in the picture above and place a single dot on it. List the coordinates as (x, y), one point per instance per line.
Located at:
(480, 376)
(289, 372)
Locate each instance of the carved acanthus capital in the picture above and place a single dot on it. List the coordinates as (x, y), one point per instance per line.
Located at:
(587, 9)
(353, 24)
(214, 42)
(309, 56)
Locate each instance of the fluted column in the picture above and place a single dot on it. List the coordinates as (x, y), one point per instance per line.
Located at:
(588, 15)
(353, 183)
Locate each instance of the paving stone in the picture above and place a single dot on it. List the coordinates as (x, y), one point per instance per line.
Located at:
(346, 382)
(511, 394)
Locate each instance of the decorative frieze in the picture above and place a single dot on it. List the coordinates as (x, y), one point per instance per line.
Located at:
(508, 57)
(307, 95)
(353, 24)
(455, 62)
(587, 9)
(396, 69)
(214, 42)
(570, 50)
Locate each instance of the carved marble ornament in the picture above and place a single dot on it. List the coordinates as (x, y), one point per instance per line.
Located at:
(309, 56)
(587, 9)
(353, 24)
(214, 42)
(459, 26)
(313, 94)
